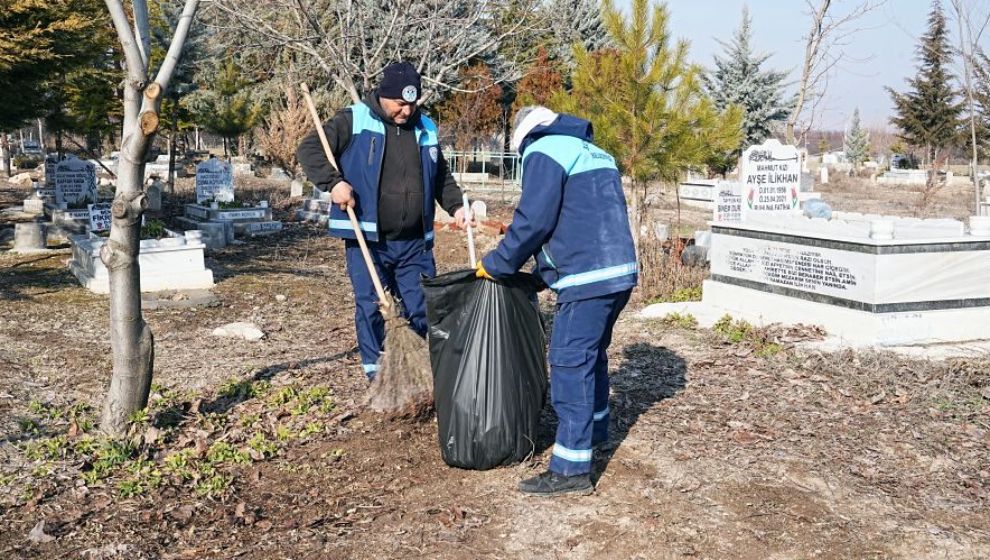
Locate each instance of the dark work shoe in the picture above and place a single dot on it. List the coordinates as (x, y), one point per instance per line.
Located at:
(552, 484)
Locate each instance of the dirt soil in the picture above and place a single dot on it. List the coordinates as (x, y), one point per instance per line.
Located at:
(720, 449)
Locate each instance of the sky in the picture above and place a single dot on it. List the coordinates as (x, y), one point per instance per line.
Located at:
(881, 54)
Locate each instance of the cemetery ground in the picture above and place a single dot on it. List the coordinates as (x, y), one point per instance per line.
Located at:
(733, 442)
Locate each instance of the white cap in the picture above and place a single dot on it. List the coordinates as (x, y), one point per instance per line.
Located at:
(527, 119)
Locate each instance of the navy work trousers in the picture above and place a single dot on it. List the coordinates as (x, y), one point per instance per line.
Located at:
(400, 263)
(582, 332)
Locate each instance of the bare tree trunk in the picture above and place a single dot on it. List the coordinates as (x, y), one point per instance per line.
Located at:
(130, 337)
(820, 58)
(636, 204)
(173, 130)
(5, 148)
(966, 47)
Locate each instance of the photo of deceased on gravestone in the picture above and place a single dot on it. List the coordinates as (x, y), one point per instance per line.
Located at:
(770, 174)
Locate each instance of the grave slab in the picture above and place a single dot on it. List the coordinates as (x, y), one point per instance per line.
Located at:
(172, 263)
(871, 280)
(216, 235)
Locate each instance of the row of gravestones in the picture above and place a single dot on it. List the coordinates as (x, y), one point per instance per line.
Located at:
(70, 195)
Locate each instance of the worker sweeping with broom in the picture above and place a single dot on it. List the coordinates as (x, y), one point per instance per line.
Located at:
(391, 171)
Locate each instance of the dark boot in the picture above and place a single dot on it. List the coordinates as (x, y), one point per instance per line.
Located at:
(552, 484)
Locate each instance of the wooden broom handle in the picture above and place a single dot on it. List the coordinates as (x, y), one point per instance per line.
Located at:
(382, 299)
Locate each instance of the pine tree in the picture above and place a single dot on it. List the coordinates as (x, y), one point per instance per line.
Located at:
(225, 106)
(857, 141)
(738, 79)
(646, 102)
(576, 22)
(42, 44)
(929, 115)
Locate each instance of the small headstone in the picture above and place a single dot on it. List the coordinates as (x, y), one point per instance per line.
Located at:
(279, 174)
(34, 205)
(661, 231)
(770, 174)
(30, 236)
(75, 181)
(154, 196)
(728, 202)
(99, 217)
(296, 189)
(479, 209)
(214, 181)
(823, 175)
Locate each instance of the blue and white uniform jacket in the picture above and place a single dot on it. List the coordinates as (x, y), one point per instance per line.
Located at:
(571, 216)
(361, 165)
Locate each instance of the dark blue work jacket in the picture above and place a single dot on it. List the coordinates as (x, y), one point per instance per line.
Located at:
(571, 216)
(361, 166)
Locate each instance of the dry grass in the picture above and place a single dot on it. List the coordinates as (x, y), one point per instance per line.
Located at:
(662, 277)
(857, 194)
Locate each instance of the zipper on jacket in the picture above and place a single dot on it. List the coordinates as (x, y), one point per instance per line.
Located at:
(371, 152)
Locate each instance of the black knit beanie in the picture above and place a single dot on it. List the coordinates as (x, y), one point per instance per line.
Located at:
(400, 80)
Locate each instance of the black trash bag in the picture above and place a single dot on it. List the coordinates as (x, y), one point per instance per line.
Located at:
(487, 349)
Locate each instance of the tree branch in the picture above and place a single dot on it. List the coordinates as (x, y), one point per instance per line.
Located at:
(142, 29)
(136, 70)
(178, 42)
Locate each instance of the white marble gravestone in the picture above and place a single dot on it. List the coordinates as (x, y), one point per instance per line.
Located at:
(770, 174)
(869, 279)
(214, 181)
(75, 181)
